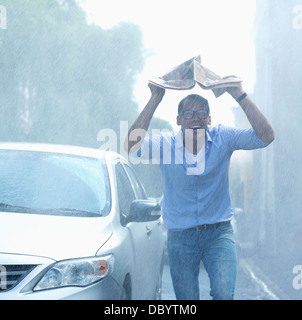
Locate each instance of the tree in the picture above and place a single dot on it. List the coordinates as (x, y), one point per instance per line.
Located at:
(62, 80)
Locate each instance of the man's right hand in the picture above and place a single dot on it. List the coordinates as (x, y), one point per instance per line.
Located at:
(156, 91)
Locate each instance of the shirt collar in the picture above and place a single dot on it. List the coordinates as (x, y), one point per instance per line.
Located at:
(179, 138)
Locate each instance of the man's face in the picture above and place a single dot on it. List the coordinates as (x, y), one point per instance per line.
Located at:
(194, 116)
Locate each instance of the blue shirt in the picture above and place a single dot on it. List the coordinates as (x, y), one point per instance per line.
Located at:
(196, 188)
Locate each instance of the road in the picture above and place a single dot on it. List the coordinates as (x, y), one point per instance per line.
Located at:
(249, 285)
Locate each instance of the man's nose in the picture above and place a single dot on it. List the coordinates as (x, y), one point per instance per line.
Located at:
(195, 116)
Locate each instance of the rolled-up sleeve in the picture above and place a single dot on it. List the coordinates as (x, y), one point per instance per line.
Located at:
(244, 139)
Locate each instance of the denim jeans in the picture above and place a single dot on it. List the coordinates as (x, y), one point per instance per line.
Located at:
(215, 247)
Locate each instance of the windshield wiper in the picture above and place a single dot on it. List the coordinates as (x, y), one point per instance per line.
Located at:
(73, 212)
(5, 207)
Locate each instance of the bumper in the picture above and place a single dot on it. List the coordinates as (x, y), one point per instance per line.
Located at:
(106, 289)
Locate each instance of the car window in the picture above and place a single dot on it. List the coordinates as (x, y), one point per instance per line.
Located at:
(136, 184)
(125, 192)
(58, 184)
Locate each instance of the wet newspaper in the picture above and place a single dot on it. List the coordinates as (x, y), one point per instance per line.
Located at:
(186, 75)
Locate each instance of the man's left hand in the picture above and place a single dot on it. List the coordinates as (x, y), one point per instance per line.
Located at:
(235, 92)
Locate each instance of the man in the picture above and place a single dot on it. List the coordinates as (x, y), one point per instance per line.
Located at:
(197, 207)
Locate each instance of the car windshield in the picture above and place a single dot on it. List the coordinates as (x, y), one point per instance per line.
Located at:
(53, 184)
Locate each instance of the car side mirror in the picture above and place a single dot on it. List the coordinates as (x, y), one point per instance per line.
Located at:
(143, 211)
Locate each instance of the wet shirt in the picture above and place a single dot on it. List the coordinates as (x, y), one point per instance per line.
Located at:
(196, 188)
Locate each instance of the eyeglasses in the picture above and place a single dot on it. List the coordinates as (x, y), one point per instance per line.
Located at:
(189, 114)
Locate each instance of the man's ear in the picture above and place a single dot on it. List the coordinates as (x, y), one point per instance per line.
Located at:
(209, 121)
(178, 121)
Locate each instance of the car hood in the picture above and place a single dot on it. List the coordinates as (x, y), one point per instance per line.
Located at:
(54, 237)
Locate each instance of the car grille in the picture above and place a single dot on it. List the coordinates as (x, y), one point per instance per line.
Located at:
(11, 275)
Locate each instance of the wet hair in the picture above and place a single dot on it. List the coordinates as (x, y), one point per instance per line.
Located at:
(196, 99)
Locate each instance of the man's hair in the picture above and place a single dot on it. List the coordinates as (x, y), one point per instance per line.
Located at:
(196, 99)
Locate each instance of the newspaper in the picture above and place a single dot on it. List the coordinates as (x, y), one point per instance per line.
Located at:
(186, 75)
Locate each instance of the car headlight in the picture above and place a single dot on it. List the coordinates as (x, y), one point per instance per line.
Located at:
(77, 272)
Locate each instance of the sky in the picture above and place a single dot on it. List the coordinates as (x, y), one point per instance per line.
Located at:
(174, 31)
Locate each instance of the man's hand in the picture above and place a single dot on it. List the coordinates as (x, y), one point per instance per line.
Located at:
(235, 92)
(156, 91)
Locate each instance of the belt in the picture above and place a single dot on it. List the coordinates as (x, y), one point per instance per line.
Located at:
(209, 226)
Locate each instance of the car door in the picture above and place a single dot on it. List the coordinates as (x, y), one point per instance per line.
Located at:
(144, 235)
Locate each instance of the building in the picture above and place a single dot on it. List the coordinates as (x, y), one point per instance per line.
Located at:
(277, 205)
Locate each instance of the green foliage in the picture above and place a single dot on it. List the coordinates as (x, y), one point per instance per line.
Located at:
(62, 80)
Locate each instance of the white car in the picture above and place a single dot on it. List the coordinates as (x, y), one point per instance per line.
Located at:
(75, 223)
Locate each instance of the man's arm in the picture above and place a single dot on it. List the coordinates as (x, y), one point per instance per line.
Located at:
(259, 123)
(143, 121)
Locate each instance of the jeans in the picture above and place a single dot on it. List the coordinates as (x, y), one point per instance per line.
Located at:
(215, 247)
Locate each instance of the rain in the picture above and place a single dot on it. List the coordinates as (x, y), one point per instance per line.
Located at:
(75, 72)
